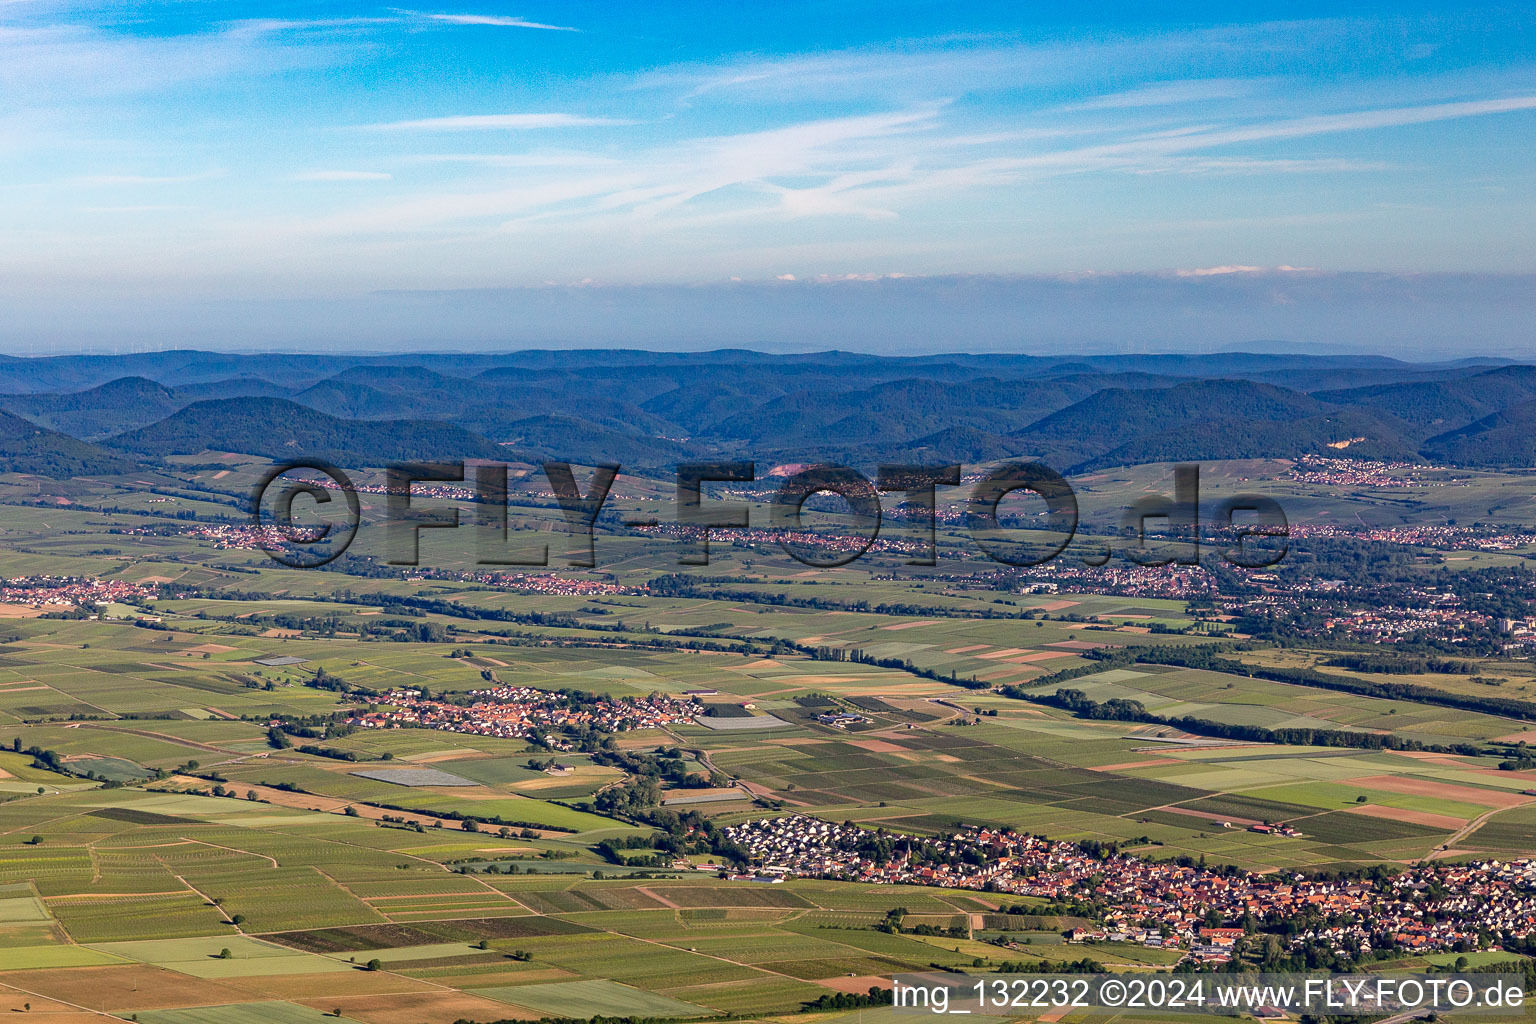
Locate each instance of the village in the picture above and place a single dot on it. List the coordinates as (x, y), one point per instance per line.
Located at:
(1444, 536)
(61, 592)
(1206, 913)
(522, 712)
(1342, 472)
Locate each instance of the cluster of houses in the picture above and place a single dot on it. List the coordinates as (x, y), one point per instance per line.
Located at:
(1429, 535)
(239, 537)
(799, 540)
(1391, 623)
(547, 583)
(521, 711)
(1319, 469)
(71, 591)
(1120, 578)
(1161, 903)
(1379, 614)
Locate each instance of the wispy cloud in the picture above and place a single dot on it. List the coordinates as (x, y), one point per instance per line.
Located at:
(141, 208)
(1000, 152)
(93, 180)
(496, 21)
(257, 26)
(1220, 165)
(872, 167)
(1159, 94)
(498, 122)
(342, 176)
(520, 160)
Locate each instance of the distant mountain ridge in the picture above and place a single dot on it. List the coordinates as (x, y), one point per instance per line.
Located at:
(1207, 420)
(277, 428)
(649, 411)
(1440, 406)
(1504, 439)
(121, 404)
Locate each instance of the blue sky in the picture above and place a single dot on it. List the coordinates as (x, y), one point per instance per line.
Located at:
(180, 170)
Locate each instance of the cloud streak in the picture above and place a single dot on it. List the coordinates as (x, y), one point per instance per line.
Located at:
(497, 122)
(496, 21)
(343, 176)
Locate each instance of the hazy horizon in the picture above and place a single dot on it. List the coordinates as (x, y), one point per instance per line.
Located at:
(1429, 317)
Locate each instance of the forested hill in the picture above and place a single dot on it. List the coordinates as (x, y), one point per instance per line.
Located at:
(650, 411)
(277, 428)
(26, 447)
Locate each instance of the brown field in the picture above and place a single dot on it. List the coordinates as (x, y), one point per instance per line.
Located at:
(1444, 791)
(1444, 821)
(328, 986)
(309, 802)
(910, 625)
(137, 987)
(12, 1001)
(1529, 736)
(434, 756)
(1448, 760)
(435, 1007)
(1208, 816)
(858, 986)
(509, 977)
(876, 746)
(9, 610)
(1150, 762)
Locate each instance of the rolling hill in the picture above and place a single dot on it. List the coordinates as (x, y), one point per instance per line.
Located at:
(278, 428)
(1504, 439)
(28, 448)
(1434, 407)
(1208, 419)
(113, 407)
(653, 409)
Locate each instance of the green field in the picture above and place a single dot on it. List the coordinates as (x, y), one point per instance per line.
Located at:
(593, 998)
(142, 872)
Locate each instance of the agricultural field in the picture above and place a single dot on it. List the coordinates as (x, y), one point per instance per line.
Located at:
(211, 841)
